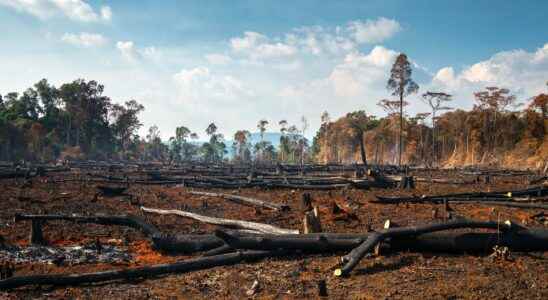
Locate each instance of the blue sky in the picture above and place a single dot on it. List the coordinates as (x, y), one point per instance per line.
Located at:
(235, 62)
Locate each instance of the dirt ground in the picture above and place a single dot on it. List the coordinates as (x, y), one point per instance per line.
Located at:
(388, 276)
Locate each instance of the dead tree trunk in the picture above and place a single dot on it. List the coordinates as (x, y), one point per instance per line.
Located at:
(264, 228)
(353, 258)
(142, 272)
(245, 200)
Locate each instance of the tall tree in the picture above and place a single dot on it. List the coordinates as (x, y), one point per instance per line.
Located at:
(284, 141)
(436, 101)
(261, 125)
(304, 127)
(401, 84)
(241, 138)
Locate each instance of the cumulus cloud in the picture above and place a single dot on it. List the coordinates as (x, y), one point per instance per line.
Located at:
(318, 40)
(523, 72)
(315, 40)
(128, 51)
(77, 10)
(198, 84)
(131, 53)
(84, 39)
(257, 46)
(362, 72)
(374, 31)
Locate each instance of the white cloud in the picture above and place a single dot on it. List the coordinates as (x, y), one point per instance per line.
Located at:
(318, 40)
(77, 10)
(84, 39)
(218, 59)
(356, 82)
(524, 73)
(257, 46)
(374, 31)
(128, 51)
(106, 13)
(315, 40)
(131, 53)
(199, 84)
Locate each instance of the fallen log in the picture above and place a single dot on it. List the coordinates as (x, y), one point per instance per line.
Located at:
(478, 196)
(447, 242)
(503, 203)
(135, 273)
(128, 220)
(244, 200)
(264, 228)
(353, 258)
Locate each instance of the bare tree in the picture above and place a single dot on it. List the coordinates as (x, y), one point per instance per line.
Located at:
(436, 101)
(303, 138)
(401, 84)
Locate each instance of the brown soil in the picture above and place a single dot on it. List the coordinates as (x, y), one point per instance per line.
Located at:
(391, 275)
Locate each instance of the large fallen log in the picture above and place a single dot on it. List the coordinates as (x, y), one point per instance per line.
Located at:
(477, 196)
(135, 273)
(244, 200)
(264, 228)
(352, 259)
(447, 242)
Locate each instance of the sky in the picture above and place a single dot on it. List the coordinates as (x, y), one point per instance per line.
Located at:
(235, 62)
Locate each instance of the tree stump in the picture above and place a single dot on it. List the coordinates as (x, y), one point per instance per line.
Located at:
(407, 182)
(311, 222)
(322, 288)
(36, 234)
(306, 202)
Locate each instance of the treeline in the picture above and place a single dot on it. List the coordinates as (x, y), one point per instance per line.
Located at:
(45, 123)
(494, 132)
(77, 121)
(489, 134)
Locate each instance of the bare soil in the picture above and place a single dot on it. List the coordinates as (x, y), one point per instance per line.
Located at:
(388, 276)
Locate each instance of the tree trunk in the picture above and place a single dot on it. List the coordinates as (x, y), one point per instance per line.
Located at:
(264, 228)
(362, 148)
(352, 259)
(401, 128)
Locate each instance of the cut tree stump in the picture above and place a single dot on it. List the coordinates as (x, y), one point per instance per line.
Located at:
(311, 221)
(36, 235)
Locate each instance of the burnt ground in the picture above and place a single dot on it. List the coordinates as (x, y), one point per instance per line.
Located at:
(390, 275)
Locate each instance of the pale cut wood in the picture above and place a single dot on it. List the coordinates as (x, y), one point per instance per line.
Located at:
(263, 228)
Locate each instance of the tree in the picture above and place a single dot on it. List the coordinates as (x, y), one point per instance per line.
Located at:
(214, 150)
(126, 122)
(392, 108)
(261, 125)
(154, 142)
(359, 122)
(304, 127)
(436, 100)
(241, 138)
(540, 104)
(494, 101)
(284, 141)
(401, 84)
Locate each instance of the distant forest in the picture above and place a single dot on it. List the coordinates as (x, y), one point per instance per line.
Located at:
(77, 121)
